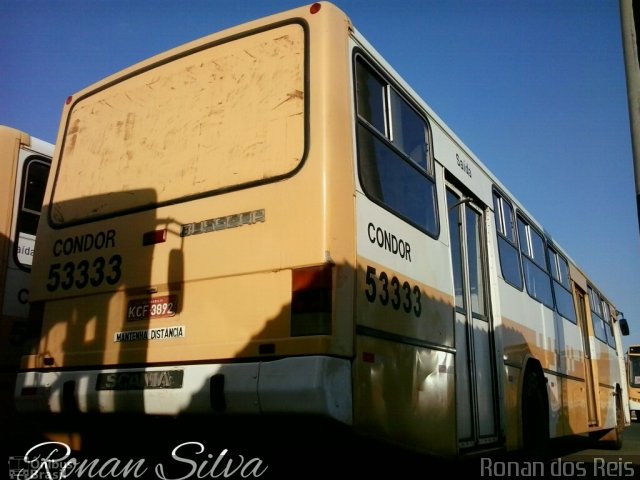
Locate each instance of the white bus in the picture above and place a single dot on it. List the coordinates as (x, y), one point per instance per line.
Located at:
(271, 221)
(25, 162)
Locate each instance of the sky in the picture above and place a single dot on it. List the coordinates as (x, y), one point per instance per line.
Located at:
(535, 88)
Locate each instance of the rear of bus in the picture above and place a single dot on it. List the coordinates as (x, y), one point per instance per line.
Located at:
(24, 162)
(196, 250)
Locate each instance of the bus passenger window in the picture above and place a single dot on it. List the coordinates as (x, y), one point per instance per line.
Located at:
(394, 157)
(507, 242)
(34, 182)
(409, 131)
(371, 95)
(608, 320)
(536, 275)
(596, 315)
(561, 285)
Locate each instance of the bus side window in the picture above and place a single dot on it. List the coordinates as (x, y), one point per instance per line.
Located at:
(597, 315)
(608, 320)
(394, 154)
(534, 261)
(507, 241)
(561, 285)
(34, 182)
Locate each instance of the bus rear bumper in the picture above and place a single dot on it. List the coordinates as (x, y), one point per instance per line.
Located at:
(315, 385)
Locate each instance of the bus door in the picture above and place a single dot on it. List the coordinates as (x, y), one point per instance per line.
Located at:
(581, 298)
(475, 368)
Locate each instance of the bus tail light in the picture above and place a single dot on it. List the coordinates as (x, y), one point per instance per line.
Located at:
(311, 301)
(153, 237)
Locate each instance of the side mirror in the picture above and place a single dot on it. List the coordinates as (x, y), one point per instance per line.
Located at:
(624, 326)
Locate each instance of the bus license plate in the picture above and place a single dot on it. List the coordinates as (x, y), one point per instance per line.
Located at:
(150, 308)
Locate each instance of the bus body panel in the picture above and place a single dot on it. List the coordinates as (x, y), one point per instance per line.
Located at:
(13, 149)
(18, 153)
(404, 344)
(313, 385)
(25, 161)
(406, 393)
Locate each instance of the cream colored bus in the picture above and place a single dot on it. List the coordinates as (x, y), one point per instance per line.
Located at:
(269, 220)
(633, 373)
(24, 161)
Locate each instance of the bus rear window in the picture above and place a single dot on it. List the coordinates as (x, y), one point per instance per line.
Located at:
(220, 117)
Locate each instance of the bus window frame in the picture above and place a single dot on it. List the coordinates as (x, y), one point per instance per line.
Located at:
(607, 312)
(20, 201)
(386, 138)
(631, 356)
(503, 238)
(56, 225)
(554, 264)
(527, 256)
(596, 301)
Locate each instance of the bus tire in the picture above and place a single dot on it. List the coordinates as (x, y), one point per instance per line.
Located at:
(535, 415)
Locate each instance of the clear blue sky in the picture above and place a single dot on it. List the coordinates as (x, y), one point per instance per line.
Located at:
(536, 88)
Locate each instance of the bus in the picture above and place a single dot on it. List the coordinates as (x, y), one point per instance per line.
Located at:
(25, 162)
(633, 373)
(271, 221)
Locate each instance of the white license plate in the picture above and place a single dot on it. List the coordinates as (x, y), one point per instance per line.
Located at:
(150, 308)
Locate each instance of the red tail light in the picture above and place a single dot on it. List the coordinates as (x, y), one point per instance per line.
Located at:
(311, 292)
(154, 236)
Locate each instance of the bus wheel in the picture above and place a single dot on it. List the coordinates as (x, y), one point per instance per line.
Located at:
(535, 416)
